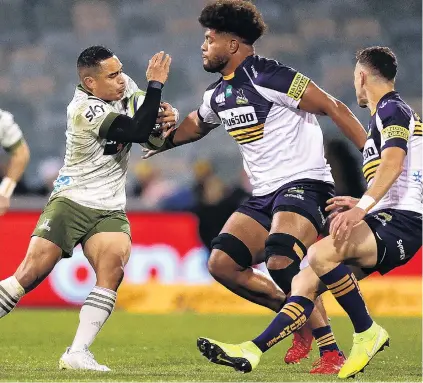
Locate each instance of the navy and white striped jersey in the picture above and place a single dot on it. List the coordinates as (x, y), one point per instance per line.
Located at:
(395, 124)
(258, 106)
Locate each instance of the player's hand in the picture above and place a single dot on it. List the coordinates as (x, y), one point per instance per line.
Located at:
(149, 153)
(339, 204)
(158, 67)
(342, 225)
(168, 118)
(4, 204)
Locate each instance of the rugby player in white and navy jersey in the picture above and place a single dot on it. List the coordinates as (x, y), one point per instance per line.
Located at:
(269, 109)
(379, 232)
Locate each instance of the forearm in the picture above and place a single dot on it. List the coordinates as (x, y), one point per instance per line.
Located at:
(191, 129)
(385, 176)
(18, 162)
(137, 129)
(348, 123)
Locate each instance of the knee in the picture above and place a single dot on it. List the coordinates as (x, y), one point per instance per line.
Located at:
(110, 274)
(313, 256)
(229, 255)
(283, 255)
(217, 264)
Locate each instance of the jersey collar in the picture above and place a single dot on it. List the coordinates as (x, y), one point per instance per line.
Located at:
(391, 94)
(82, 89)
(237, 70)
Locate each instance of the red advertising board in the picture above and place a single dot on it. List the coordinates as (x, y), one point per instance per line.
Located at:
(166, 248)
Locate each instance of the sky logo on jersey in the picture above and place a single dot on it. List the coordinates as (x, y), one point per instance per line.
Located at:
(238, 117)
(94, 111)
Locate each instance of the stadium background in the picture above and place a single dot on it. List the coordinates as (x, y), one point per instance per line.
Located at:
(179, 200)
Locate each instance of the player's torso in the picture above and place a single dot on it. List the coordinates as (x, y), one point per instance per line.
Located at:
(406, 192)
(94, 171)
(278, 144)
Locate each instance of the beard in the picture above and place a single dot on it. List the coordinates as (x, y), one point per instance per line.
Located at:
(215, 65)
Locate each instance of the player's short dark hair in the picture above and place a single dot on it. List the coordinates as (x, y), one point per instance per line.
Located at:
(92, 56)
(381, 59)
(239, 17)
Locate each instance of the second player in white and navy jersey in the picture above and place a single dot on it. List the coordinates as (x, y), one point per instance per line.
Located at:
(258, 106)
(394, 124)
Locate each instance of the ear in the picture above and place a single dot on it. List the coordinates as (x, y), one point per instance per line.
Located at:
(363, 78)
(233, 46)
(89, 82)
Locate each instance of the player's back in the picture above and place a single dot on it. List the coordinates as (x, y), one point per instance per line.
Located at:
(258, 106)
(395, 124)
(94, 171)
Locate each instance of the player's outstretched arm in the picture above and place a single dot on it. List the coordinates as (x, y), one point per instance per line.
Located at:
(191, 129)
(317, 101)
(118, 127)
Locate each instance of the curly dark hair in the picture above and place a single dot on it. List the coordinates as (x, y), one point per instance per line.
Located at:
(381, 59)
(239, 17)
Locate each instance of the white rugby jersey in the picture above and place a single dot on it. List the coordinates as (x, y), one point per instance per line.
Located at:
(394, 124)
(10, 133)
(94, 172)
(258, 106)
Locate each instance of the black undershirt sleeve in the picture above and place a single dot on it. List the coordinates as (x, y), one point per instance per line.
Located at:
(121, 128)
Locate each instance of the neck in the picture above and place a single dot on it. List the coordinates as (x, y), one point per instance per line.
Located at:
(236, 61)
(376, 94)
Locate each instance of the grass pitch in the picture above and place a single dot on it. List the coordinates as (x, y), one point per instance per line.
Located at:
(163, 348)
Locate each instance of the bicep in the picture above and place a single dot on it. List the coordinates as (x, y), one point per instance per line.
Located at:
(393, 157)
(315, 100)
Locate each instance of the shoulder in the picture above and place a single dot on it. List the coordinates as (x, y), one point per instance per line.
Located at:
(395, 110)
(88, 110)
(131, 86)
(214, 85)
(6, 119)
(272, 74)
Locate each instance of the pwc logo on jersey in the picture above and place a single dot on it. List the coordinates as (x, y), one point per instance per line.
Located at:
(93, 111)
(238, 117)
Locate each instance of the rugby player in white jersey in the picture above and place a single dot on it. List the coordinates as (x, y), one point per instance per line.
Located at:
(88, 201)
(379, 232)
(12, 140)
(269, 109)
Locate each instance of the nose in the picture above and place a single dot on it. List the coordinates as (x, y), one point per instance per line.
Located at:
(203, 46)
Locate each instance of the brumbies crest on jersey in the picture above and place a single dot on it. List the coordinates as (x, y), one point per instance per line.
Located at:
(258, 106)
(396, 125)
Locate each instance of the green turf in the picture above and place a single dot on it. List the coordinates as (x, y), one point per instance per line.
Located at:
(163, 348)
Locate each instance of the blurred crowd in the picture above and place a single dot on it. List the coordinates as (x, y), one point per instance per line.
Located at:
(41, 39)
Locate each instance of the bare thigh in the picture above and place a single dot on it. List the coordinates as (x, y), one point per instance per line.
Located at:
(360, 250)
(41, 257)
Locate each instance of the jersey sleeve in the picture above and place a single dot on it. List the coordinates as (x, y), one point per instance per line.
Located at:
(10, 133)
(131, 86)
(395, 126)
(205, 112)
(94, 116)
(278, 83)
